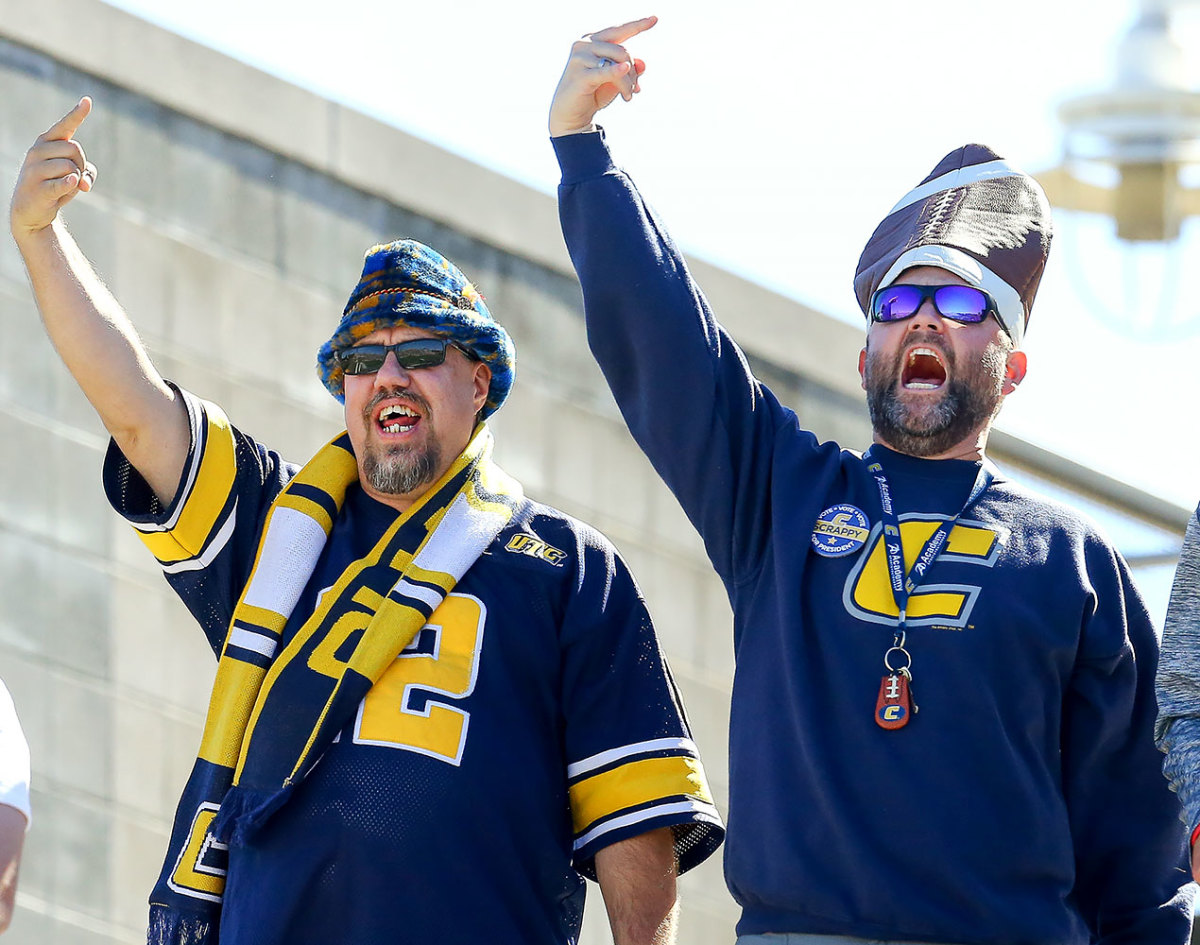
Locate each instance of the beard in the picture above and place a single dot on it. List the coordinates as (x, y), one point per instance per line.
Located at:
(400, 470)
(970, 400)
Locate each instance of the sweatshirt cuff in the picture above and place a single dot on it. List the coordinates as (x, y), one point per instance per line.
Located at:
(582, 155)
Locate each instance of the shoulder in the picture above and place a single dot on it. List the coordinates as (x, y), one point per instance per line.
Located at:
(558, 566)
(1071, 549)
(550, 535)
(1034, 509)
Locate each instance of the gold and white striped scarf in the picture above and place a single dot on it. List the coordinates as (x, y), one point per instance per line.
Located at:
(273, 711)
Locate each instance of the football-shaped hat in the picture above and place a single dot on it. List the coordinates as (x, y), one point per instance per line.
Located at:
(976, 216)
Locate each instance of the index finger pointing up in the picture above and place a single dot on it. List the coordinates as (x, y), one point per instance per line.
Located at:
(64, 129)
(618, 34)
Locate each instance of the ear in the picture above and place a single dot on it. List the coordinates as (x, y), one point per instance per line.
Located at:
(1014, 371)
(862, 367)
(482, 381)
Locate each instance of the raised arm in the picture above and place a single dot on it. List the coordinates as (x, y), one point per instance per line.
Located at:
(685, 390)
(91, 332)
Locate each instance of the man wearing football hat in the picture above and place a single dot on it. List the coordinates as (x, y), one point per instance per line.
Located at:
(425, 680)
(1024, 802)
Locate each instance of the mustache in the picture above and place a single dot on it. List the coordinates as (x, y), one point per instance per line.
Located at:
(395, 393)
(888, 366)
(929, 339)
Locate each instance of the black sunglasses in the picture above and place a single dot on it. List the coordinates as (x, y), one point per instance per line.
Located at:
(959, 303)
(410, 355)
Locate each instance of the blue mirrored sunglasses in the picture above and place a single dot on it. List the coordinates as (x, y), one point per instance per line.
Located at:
(959, 303)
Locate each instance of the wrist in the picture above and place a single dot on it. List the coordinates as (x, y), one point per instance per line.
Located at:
(562, 132)
(31, 236)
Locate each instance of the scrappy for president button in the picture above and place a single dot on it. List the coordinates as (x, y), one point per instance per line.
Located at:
(840, 530)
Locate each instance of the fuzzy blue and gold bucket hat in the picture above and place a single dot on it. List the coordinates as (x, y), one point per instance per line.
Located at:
(407, 283)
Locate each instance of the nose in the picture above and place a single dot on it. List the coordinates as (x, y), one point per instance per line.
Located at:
(391, 374)
(926, 319)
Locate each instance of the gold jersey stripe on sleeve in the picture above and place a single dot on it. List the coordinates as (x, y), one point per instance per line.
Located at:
(206, 501)
(634, 784)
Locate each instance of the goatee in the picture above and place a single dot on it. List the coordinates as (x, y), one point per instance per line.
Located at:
(400, 470)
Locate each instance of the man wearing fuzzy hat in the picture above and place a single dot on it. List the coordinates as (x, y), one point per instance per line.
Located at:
(1023, 803)
(415, 686)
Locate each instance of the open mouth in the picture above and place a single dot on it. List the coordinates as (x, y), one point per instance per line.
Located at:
(924, 369)
(396, 418)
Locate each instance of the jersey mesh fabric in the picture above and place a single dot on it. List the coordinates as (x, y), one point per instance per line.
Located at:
(553, 660)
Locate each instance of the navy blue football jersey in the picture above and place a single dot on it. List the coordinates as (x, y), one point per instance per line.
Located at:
(530, 723)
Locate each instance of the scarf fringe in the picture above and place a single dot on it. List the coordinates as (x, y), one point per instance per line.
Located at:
(173, 927)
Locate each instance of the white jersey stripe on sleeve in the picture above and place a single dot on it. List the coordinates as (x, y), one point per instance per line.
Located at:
(705, 813)
(198, 425)
(601, 759)
(219, 541)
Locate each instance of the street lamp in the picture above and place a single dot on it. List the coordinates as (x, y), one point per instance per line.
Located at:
(1124, 149)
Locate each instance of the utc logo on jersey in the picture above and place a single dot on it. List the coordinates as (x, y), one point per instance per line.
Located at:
(840, 530)
(536, 548)
(937, 602)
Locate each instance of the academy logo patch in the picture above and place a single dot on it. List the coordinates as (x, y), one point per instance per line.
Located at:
(840, 530)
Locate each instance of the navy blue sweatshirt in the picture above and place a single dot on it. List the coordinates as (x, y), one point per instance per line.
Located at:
(1024, 803)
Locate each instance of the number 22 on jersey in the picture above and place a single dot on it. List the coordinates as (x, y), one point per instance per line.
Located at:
(403, 709)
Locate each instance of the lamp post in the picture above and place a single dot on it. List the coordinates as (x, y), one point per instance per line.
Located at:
(1124, 148)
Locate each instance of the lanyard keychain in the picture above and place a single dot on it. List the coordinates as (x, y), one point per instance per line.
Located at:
(895, 704)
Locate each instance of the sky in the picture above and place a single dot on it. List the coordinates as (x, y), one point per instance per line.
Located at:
(772, 138)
